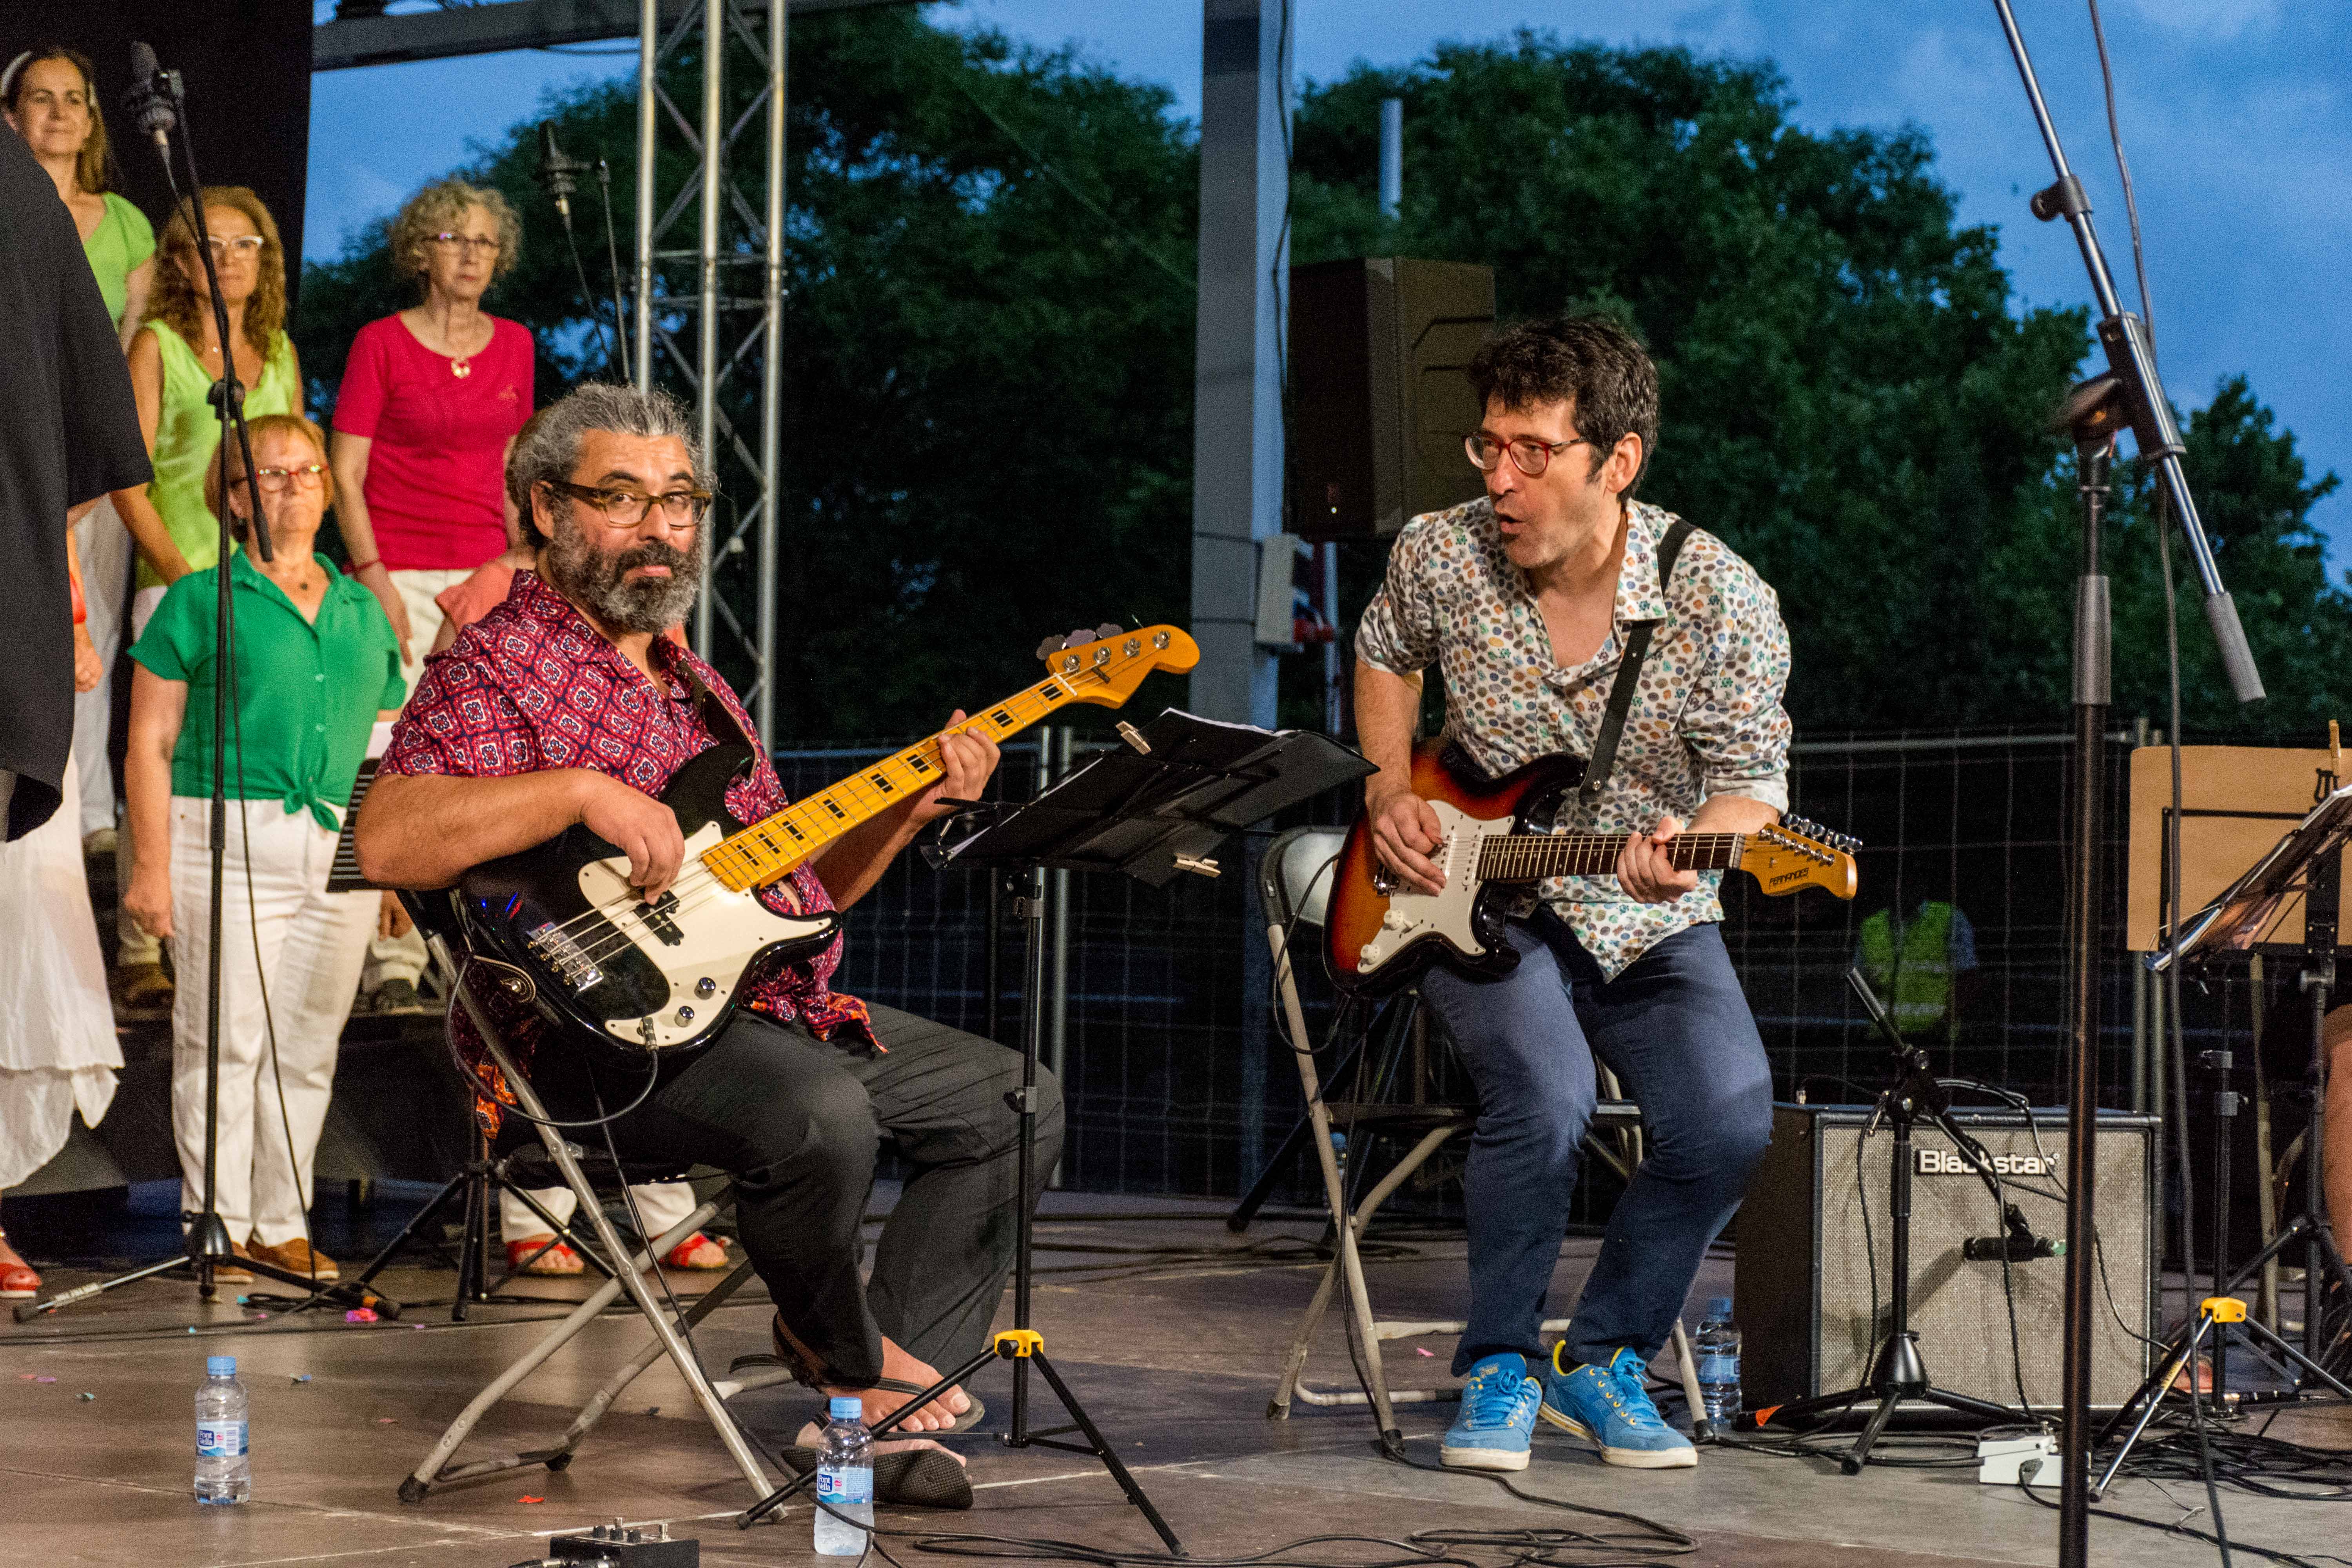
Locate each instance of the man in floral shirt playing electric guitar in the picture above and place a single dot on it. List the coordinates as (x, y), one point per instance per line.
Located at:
(1526, 600)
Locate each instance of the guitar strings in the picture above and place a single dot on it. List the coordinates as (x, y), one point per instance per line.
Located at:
(627, 924)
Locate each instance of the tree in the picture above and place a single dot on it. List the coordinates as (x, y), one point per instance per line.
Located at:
(990, 328)
(1849, 398)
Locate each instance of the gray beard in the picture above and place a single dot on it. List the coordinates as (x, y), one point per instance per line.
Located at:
(599, 581)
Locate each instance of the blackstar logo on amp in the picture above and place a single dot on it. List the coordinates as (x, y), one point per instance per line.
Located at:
(1951, 1162)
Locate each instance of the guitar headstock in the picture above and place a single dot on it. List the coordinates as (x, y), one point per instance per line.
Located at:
(1795, 853)
(1105, 667)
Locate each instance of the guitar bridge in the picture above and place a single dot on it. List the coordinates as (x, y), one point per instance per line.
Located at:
(561, 952)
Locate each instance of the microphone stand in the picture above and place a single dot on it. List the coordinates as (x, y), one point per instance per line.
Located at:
(1898, 1372)
(2131, 361)
(159, 105)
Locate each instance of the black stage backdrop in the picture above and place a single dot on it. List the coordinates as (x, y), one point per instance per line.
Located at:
(246, 69)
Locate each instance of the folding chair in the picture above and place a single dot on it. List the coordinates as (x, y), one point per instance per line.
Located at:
(1295, 884)
(626, 1273)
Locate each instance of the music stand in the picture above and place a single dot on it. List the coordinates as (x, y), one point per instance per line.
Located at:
(1152, 810)
(2304, 864)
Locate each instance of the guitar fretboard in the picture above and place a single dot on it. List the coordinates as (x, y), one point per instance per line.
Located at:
(772, 846)
(1533, 856)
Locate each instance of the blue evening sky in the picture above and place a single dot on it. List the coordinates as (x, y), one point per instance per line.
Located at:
(2238, 127)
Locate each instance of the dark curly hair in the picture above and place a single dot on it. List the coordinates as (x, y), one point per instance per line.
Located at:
(1589, 361)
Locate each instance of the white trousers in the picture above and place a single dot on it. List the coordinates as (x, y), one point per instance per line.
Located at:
(402, 957)
(660, 1204)
(307, 945)
(104, 546)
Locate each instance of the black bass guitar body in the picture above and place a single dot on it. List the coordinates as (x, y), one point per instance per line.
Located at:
(603, 966)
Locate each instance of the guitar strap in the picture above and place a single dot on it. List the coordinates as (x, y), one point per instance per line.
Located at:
(1629, 673)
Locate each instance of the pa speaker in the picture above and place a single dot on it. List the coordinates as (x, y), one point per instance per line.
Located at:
(1802, 1286)
(1379, 401)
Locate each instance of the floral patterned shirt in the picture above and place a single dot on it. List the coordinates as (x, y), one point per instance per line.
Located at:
(1707, 718)
(531, 686)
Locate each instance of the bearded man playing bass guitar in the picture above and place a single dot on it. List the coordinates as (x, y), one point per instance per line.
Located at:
(563, 706)
(1528, 601)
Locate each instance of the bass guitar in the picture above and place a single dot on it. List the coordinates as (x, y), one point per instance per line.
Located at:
(568, 934)
(1494, 845)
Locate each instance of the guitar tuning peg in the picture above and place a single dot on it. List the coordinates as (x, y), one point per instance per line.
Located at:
(1106, 630)
(1049, 648)
(1078, 638)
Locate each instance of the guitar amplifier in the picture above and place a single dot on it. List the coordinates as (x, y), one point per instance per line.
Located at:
(1802, 1283)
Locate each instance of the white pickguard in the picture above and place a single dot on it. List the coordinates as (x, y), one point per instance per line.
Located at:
(719, 930)
(1444, 915)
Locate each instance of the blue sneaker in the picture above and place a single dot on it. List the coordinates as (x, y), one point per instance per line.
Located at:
(1498, 1416)
(1609, 1407)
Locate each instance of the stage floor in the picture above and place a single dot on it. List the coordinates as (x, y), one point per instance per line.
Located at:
(1170, 1328)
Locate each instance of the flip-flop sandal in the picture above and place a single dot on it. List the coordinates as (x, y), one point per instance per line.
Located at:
(964, 1423)
(913, 1477)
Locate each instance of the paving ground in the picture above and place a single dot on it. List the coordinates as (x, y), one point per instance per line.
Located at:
(1171, 1329)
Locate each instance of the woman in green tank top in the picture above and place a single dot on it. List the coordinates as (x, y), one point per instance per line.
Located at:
(174, 361)
(51, 100)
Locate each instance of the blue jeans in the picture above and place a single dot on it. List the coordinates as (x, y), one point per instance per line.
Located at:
(1675, 1027)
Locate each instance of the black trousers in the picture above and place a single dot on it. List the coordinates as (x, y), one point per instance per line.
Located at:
(798, 1124)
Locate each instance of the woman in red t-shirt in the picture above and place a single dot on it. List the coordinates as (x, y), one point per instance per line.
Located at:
(430, 402)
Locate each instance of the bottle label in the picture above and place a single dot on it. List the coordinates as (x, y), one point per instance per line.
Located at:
(845, 1487)
(1718, 1369)
(220, 1439)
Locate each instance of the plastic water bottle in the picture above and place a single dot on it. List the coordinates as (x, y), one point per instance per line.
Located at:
(224, 1468)
(1717, 1346)
(844, 1482)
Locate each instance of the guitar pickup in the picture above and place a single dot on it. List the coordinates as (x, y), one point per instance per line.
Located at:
(561, 952)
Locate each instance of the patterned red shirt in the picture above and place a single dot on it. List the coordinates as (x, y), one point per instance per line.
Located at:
(533, 685)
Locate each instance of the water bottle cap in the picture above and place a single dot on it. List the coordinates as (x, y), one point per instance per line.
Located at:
(220, 1366)
(1719, 1307)
(847, 1409)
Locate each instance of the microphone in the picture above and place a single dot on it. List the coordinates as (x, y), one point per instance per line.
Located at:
(150, 100)
(555, 170)
(2017, 1244)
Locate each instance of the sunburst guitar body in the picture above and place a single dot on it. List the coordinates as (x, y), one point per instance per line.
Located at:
(1495, 841)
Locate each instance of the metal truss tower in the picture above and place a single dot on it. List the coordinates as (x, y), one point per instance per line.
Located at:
(701, 321)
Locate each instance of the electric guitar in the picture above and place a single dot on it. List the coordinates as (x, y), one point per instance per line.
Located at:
(1494, 845)
(567, 933)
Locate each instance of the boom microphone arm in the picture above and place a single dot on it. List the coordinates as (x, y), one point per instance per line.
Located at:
(2131, 358)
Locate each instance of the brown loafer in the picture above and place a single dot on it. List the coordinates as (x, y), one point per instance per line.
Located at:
(228, 1273)
(296, 1256)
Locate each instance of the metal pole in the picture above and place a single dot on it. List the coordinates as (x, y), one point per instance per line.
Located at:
(2092, 688)
(771, 390)
(2133, 358)
(648, 41)
(706, 357)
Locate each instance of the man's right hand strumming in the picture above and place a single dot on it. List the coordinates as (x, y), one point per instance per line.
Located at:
(639, 825)
(1405, 833)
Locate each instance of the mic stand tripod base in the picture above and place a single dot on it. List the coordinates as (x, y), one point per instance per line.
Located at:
(208, 1248)
(1900, 1374)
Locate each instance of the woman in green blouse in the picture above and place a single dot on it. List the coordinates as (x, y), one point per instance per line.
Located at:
(316, 666)
(175, 360)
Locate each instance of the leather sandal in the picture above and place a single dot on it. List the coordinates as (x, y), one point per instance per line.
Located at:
(809, 1373)
(18, 1280)
(698, 1252)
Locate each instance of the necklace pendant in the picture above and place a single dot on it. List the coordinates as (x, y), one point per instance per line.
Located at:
(462, 367)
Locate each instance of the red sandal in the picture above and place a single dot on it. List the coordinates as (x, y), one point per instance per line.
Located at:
(18, 1282)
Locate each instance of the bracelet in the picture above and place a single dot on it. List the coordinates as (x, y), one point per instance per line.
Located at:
(354, 569)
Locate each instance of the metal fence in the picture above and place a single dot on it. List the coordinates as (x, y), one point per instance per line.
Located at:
(1155, 1008)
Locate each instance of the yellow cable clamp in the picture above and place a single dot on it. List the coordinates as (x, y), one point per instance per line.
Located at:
(2224, 1308)
(1028, 1341)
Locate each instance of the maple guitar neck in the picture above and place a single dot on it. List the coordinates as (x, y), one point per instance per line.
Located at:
(1534, 857)
(771, 847)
